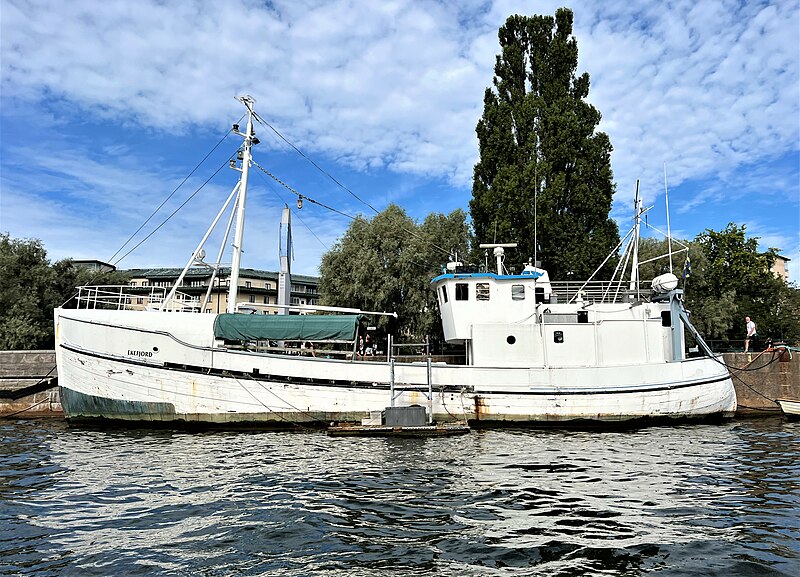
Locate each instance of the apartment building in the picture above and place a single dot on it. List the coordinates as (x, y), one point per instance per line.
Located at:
(780, 269)
(256, 287)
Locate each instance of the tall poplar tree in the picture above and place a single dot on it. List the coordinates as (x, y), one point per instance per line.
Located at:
(540, 153)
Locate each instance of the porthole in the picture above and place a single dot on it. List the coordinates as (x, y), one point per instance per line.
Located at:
(155, 349)
(511, 339)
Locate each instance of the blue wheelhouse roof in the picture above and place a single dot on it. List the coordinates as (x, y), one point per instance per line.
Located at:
(523, 276)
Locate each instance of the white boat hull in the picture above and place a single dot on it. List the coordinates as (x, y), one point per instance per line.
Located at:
(111, 371)
(790, 408)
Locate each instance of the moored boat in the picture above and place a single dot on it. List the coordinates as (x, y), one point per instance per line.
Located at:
(537, 352)
(790, 408)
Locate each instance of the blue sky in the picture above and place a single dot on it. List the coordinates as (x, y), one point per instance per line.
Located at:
(106, 107)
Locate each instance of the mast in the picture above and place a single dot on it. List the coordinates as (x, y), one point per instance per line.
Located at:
(499, 253)
(636, 220)
(238, 235)
(669, 233)
(285, 276)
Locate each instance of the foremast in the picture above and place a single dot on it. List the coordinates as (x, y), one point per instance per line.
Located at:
(238, 234)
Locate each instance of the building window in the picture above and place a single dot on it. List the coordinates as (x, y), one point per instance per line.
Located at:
(517, 292)
(208, 300)
(132, 283)
(140, 301)
(248, 284)
(462, 291)
(267, 286)
(482, 291)
(295, 301)
(145, 283)
(251, 298)
(266, 300)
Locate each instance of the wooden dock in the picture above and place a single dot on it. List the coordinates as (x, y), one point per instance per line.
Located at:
(404, 431)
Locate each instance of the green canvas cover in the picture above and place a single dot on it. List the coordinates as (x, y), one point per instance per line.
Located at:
(241, 327)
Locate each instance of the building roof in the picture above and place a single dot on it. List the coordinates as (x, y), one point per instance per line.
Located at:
(224, 272)
(91, 262)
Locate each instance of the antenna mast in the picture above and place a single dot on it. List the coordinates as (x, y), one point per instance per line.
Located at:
(636, 220)
(535, 198)
(238, 235)
(669, 234)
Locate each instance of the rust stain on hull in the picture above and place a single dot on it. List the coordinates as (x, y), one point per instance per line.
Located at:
(480, 407)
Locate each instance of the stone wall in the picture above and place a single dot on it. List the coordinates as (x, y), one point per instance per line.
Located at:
(21, 369)
(760, 378)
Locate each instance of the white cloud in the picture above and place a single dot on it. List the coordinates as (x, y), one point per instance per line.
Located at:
(707, 88)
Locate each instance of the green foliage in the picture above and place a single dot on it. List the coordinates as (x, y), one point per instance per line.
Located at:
(537, 139)
(30, 288)
(26, 288)
(737, 276)
(729, 280)
(386, 264)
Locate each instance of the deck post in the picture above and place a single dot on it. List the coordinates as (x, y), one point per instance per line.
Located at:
(430, 393)
(391, 380)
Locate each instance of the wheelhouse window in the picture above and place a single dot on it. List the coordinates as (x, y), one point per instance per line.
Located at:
(517, 292)
(462, 291)
(482, 291)
(444, 294)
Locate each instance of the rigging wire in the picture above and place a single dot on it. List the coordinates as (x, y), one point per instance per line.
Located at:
(270, 187)
(300, 196)
(311, 200)
(174, 212)
(318, 167)
(172, 194)
(342, 186)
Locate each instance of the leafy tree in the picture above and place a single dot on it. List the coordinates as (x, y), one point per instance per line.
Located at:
(386, 264)
(736, 267)
(26, 286)
(438, 234)
(538, 145)
(729, 279)
(30, 288)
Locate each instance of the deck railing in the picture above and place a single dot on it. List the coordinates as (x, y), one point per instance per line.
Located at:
(598, 291)
(125, 297)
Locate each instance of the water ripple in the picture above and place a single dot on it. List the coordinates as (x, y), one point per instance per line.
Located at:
(711, 500)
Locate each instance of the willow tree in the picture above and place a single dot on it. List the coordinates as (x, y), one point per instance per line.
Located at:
(541, 159)
(386, 264)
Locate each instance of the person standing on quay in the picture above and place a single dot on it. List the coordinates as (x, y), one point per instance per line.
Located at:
(751, 333)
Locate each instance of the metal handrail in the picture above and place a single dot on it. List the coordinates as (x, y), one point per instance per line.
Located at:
(594, 291)
(125, 297)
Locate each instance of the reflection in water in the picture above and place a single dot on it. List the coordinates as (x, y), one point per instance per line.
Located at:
(711, 500)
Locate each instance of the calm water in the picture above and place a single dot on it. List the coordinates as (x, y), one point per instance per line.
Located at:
(689, 500)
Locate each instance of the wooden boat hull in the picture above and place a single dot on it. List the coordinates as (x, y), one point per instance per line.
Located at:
(112, 372)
